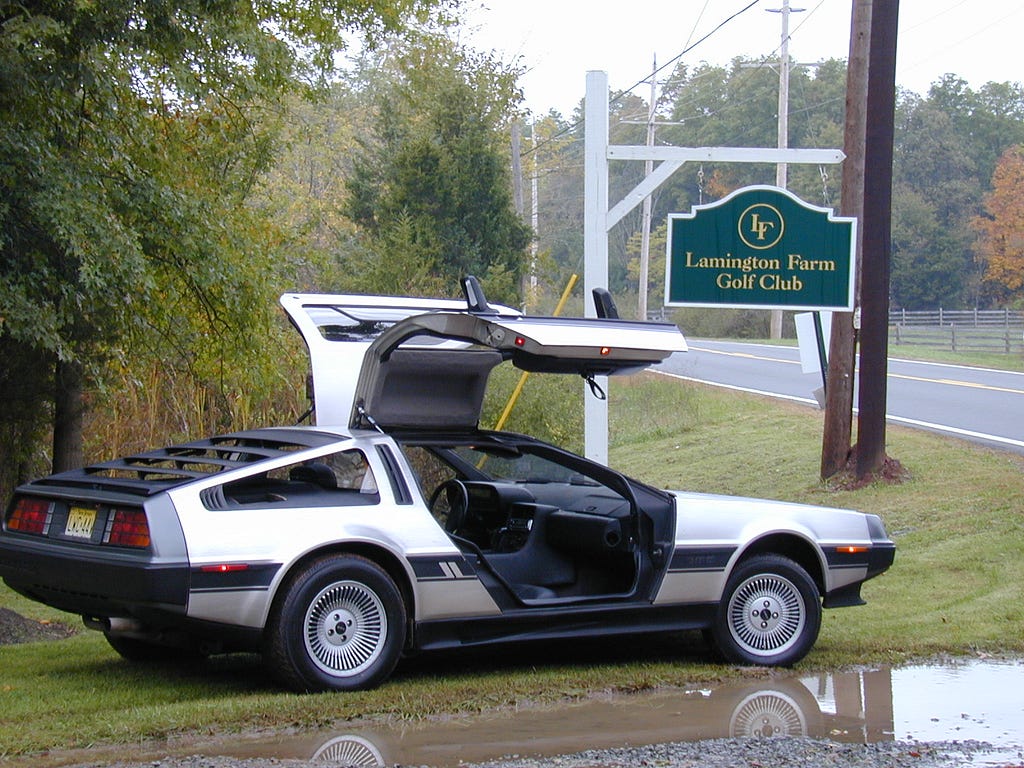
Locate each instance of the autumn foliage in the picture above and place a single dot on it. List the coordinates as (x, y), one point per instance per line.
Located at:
(1000, 245)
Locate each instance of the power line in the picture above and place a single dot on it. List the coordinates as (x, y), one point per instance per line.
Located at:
(685, 51)
(672, 61)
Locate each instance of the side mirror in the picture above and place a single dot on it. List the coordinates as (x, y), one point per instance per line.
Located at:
(474, 293)
(605, 304)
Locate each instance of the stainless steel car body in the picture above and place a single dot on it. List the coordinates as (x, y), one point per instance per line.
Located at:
(715, 532)
(397, 524)
(712, 534)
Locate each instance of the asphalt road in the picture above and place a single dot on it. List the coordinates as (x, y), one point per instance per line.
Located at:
(978, 404)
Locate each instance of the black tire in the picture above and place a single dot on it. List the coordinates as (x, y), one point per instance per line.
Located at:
(144, 652)
(338, 624)
(769, 615)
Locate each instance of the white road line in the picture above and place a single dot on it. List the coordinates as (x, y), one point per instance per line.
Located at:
(776, 395)
(955, 431)
(890, 374)
(955, 365)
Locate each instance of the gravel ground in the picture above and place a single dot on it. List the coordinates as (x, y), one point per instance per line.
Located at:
(719, 753)
(768, 753)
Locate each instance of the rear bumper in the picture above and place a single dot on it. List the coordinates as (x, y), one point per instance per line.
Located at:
(93, 583)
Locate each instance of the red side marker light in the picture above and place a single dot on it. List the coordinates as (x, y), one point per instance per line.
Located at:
(520, 341)
(851, 550)
(606, 351)
(224, 568)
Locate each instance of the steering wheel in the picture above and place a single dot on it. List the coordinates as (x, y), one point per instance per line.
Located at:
(457, 500)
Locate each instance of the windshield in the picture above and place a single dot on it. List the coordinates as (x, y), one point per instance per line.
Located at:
(530, 464)
(518, 466)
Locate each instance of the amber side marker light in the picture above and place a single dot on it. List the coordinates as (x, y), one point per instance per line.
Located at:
(852, 550)
(605, 351)
(30, 516)
(128, 528)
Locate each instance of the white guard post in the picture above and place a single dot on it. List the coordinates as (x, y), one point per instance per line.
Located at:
(598, 219)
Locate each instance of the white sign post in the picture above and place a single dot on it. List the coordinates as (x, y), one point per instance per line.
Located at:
(598, 219)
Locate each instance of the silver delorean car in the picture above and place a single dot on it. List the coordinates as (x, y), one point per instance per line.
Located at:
(397, 525)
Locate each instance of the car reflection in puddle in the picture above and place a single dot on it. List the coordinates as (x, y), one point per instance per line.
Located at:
(979, 700)
(773, 708)
(976, 700)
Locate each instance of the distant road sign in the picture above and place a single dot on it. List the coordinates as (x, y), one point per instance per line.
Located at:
(760, 247)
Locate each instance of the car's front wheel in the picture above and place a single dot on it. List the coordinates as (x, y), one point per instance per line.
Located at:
(770, 613)
(338, 625)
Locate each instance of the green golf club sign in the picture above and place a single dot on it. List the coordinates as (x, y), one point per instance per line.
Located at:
(760, 247)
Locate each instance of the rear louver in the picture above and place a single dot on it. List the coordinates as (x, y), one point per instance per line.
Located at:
(151, 472)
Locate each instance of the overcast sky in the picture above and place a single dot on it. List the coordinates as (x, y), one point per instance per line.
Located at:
(558, 41)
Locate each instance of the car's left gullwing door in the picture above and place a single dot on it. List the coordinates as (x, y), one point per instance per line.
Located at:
(338, 329)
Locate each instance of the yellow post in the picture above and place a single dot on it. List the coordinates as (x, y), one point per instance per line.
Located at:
(522, 379)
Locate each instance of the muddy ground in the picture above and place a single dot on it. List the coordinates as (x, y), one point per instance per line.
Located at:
(717, 753)
(15, 628)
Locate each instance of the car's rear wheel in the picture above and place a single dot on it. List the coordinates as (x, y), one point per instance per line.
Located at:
(770, 613)
(339, 624)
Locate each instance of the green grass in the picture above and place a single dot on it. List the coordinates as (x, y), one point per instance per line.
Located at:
(956, 588)
(1006, 362)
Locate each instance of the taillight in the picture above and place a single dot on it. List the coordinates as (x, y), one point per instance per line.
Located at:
(127, 528)
(30, 515)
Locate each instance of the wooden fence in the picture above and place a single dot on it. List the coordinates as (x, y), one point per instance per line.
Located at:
(971, 330)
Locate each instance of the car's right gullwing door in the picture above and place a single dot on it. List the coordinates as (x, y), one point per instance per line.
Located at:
(405, 383)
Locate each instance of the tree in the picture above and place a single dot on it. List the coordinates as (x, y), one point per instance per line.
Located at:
(432, 184)
(1000, 247)
(947, 145)
(132, 134)
(986, 121)
(925, 254)
(738, 106)
(302, 192)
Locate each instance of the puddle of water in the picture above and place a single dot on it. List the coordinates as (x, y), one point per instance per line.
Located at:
(976, 700)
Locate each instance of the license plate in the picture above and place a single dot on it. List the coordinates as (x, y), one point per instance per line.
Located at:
(80, 522)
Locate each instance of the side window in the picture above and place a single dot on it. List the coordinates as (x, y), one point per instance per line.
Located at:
(430, 471)
(338, 479)
(351, 472)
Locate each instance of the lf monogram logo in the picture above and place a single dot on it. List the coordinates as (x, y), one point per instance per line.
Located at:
(761, 226)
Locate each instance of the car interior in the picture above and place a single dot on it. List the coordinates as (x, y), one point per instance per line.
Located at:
(553, 536)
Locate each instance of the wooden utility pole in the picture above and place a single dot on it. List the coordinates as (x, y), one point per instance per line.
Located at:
(878, 153)
(836, 439)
